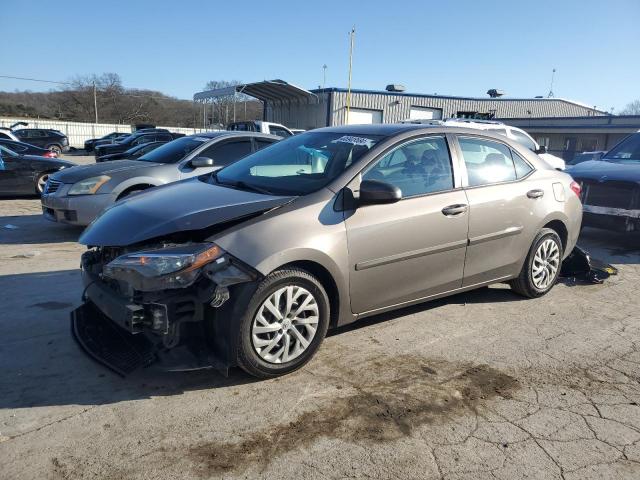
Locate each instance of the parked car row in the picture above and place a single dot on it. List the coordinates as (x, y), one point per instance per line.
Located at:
(105, 147)
(48, 139)
(78, 195)
(26, 174)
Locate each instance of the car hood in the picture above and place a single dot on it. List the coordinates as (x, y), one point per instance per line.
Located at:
(82, 172)
(53, 162)
(602, 170)
(182, 206)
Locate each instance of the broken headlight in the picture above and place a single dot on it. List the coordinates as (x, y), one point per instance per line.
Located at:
(165, 268)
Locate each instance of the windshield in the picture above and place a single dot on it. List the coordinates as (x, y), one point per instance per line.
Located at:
(298, 165)
(174, 151)
(626, 152)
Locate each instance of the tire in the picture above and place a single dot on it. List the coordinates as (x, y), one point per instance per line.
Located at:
(540, 270)
(41, 180)
(256, 354)
(55, 148)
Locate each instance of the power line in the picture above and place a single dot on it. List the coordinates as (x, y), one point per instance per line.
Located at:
(138, 95)
(34, 80)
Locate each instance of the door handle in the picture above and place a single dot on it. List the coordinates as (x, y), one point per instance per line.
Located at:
(537, 193)
(456, 209)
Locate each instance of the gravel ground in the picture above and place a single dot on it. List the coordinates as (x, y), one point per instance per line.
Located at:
(479, 385)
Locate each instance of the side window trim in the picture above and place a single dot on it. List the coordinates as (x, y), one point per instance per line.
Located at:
(463, 166)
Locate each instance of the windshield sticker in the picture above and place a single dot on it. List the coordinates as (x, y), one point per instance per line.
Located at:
(354, 140)
(201, 139)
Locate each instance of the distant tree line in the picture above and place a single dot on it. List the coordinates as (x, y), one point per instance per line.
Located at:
(632, 108)
(117, 104)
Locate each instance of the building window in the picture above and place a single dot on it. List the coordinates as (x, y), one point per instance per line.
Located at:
(544, 141)
(475, 115)
(588, 144)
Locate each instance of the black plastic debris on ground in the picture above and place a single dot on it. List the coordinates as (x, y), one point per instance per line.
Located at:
(108, 344)
(579, 266)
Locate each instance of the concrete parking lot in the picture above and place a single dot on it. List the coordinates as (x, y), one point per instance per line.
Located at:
(480, 385)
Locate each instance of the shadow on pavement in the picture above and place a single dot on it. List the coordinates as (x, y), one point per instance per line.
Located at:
(35, 229)
(43, 366)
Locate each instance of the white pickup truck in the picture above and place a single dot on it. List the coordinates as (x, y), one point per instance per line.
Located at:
(262, 127)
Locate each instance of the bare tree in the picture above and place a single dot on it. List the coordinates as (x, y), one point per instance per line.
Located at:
(632, 108)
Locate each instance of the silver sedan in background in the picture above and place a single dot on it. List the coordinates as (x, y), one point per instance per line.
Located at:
(78, 195)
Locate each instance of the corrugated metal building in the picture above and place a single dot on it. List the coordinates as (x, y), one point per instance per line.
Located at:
(328, 107)
(298, 108)
(566, 136)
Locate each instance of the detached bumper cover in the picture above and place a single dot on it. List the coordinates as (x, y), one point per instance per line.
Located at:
(108, 344)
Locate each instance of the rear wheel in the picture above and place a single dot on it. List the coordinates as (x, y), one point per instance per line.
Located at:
(542, 266)
(56, 149)
(284, 324)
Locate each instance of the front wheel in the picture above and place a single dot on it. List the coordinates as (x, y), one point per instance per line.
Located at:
(284, 323)
(41, 181)
(542, 266)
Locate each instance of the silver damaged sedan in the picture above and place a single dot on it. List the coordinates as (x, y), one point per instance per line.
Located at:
(251, 265)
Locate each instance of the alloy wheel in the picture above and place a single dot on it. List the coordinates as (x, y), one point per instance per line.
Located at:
(42, 181)
(285, 324)
(545, 264)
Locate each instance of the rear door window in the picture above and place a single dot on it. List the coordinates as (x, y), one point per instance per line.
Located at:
(227, 152)
(487, 161)
(521, 165)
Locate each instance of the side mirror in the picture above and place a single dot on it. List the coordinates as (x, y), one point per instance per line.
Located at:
(374, 192)
(201, 162)
(541, 149)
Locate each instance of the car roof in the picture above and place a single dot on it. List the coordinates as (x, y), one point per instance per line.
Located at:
(390, 129)
(232, 133)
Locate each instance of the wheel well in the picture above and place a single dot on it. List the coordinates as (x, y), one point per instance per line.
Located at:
(140, 186)
(327, 281)
(560, 229)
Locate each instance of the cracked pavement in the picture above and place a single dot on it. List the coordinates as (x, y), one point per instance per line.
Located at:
(479, 385)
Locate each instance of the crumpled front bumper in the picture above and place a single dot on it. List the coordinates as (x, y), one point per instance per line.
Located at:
(129, 331)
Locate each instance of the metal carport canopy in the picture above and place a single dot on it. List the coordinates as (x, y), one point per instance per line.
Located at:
(267, 91)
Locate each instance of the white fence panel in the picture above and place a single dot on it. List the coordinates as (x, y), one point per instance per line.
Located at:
(78, 132)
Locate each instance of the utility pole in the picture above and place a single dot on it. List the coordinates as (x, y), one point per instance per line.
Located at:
(352, 35)
(95, 100)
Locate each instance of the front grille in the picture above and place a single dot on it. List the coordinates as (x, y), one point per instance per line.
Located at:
(612, 194)
(52, 186)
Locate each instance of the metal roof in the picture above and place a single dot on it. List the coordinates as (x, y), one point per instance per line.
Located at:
(452, 97)
(267, 91)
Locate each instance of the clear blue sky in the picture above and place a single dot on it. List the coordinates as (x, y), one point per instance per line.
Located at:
(458, 47)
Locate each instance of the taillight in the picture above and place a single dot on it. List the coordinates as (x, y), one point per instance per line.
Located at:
(50, 155)
(575, 186)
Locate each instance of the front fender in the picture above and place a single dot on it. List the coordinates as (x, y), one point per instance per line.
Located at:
(132, 182)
